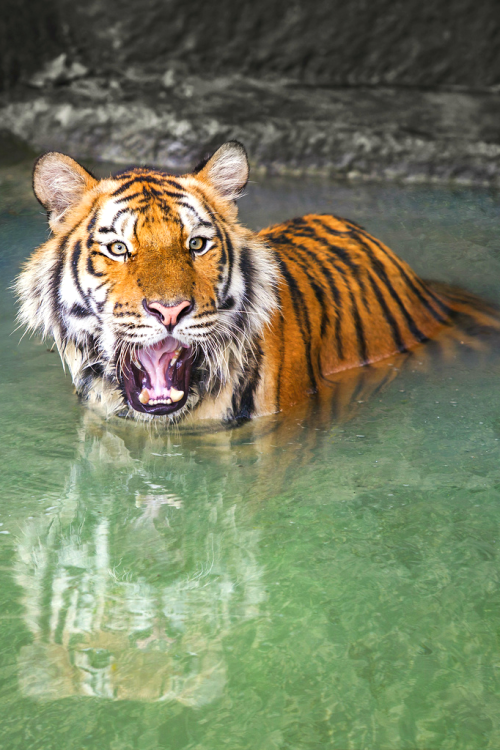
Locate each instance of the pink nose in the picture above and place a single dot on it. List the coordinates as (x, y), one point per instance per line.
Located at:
(169, 316)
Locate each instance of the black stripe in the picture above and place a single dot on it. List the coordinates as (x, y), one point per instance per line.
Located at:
(396, 261)
(360, 333)
(318, 292)
(77, 311)
(243, 401)
(200, 195)
(127, 198)
(75, 258)
(90, 229)
(112, 228)
(282, 352)
(300, 308)
(206, 313)
(100, 305)
(127, 314)
(335, 294)
(396, 333)
(54, 286)
(55, 283)
(248, 271)
(173, 183)
(210, 324)
(228, 304)
(226, 261)
(201, 221)
(90, 265)
(153, 191)
(148, 178)
(379, 269)
(343, 255)
(126, 186)
(170, 194)
(348, 222)
(230, 260)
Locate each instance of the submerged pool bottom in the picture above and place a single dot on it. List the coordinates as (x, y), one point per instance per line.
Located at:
(327, 578)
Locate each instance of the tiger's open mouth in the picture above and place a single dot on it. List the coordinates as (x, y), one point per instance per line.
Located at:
(156, 379)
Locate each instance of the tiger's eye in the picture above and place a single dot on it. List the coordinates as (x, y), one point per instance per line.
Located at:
(197, 244)
(118, 248)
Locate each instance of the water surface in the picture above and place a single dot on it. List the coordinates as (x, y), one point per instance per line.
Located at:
(327, 578)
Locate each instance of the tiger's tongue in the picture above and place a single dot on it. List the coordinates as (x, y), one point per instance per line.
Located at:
(155, 360)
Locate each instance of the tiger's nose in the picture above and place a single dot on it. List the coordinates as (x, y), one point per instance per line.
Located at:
(169, 315)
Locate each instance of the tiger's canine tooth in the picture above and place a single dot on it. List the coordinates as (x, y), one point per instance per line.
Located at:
(176, 395)
(144, 397)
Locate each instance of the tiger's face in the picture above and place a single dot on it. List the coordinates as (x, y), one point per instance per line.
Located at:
(152, 290)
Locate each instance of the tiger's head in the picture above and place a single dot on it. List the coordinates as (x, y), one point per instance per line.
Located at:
(153, 292)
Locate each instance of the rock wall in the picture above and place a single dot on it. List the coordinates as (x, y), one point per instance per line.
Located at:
(366, 89)
(32, 32)
(323, 42)
(356, 133)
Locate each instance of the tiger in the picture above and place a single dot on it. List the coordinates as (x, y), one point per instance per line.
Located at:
(165, 308)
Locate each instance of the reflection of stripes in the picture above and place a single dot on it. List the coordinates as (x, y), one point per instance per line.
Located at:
(103, 630)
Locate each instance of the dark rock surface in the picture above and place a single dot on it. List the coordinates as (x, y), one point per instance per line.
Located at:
(368, 133)
(329, 42)
(316, 42)
(374, 89)
(32, 32)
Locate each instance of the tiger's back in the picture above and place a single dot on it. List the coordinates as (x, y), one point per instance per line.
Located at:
(345, 301)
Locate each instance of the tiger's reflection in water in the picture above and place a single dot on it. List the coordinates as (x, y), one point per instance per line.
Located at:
(133, 584)
(125, 599)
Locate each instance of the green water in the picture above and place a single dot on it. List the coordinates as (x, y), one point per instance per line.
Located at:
(302, 582)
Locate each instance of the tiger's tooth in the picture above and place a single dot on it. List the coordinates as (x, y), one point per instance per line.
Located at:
(175, 357)
(176, 395)
(144, 397)
(169, 400)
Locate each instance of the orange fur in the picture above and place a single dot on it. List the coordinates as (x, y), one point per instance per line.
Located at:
(272, 315)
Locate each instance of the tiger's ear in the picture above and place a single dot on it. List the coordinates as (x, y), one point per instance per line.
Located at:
(59, 182)
(227, 170)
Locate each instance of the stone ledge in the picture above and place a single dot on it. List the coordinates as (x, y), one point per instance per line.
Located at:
(356, 133)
